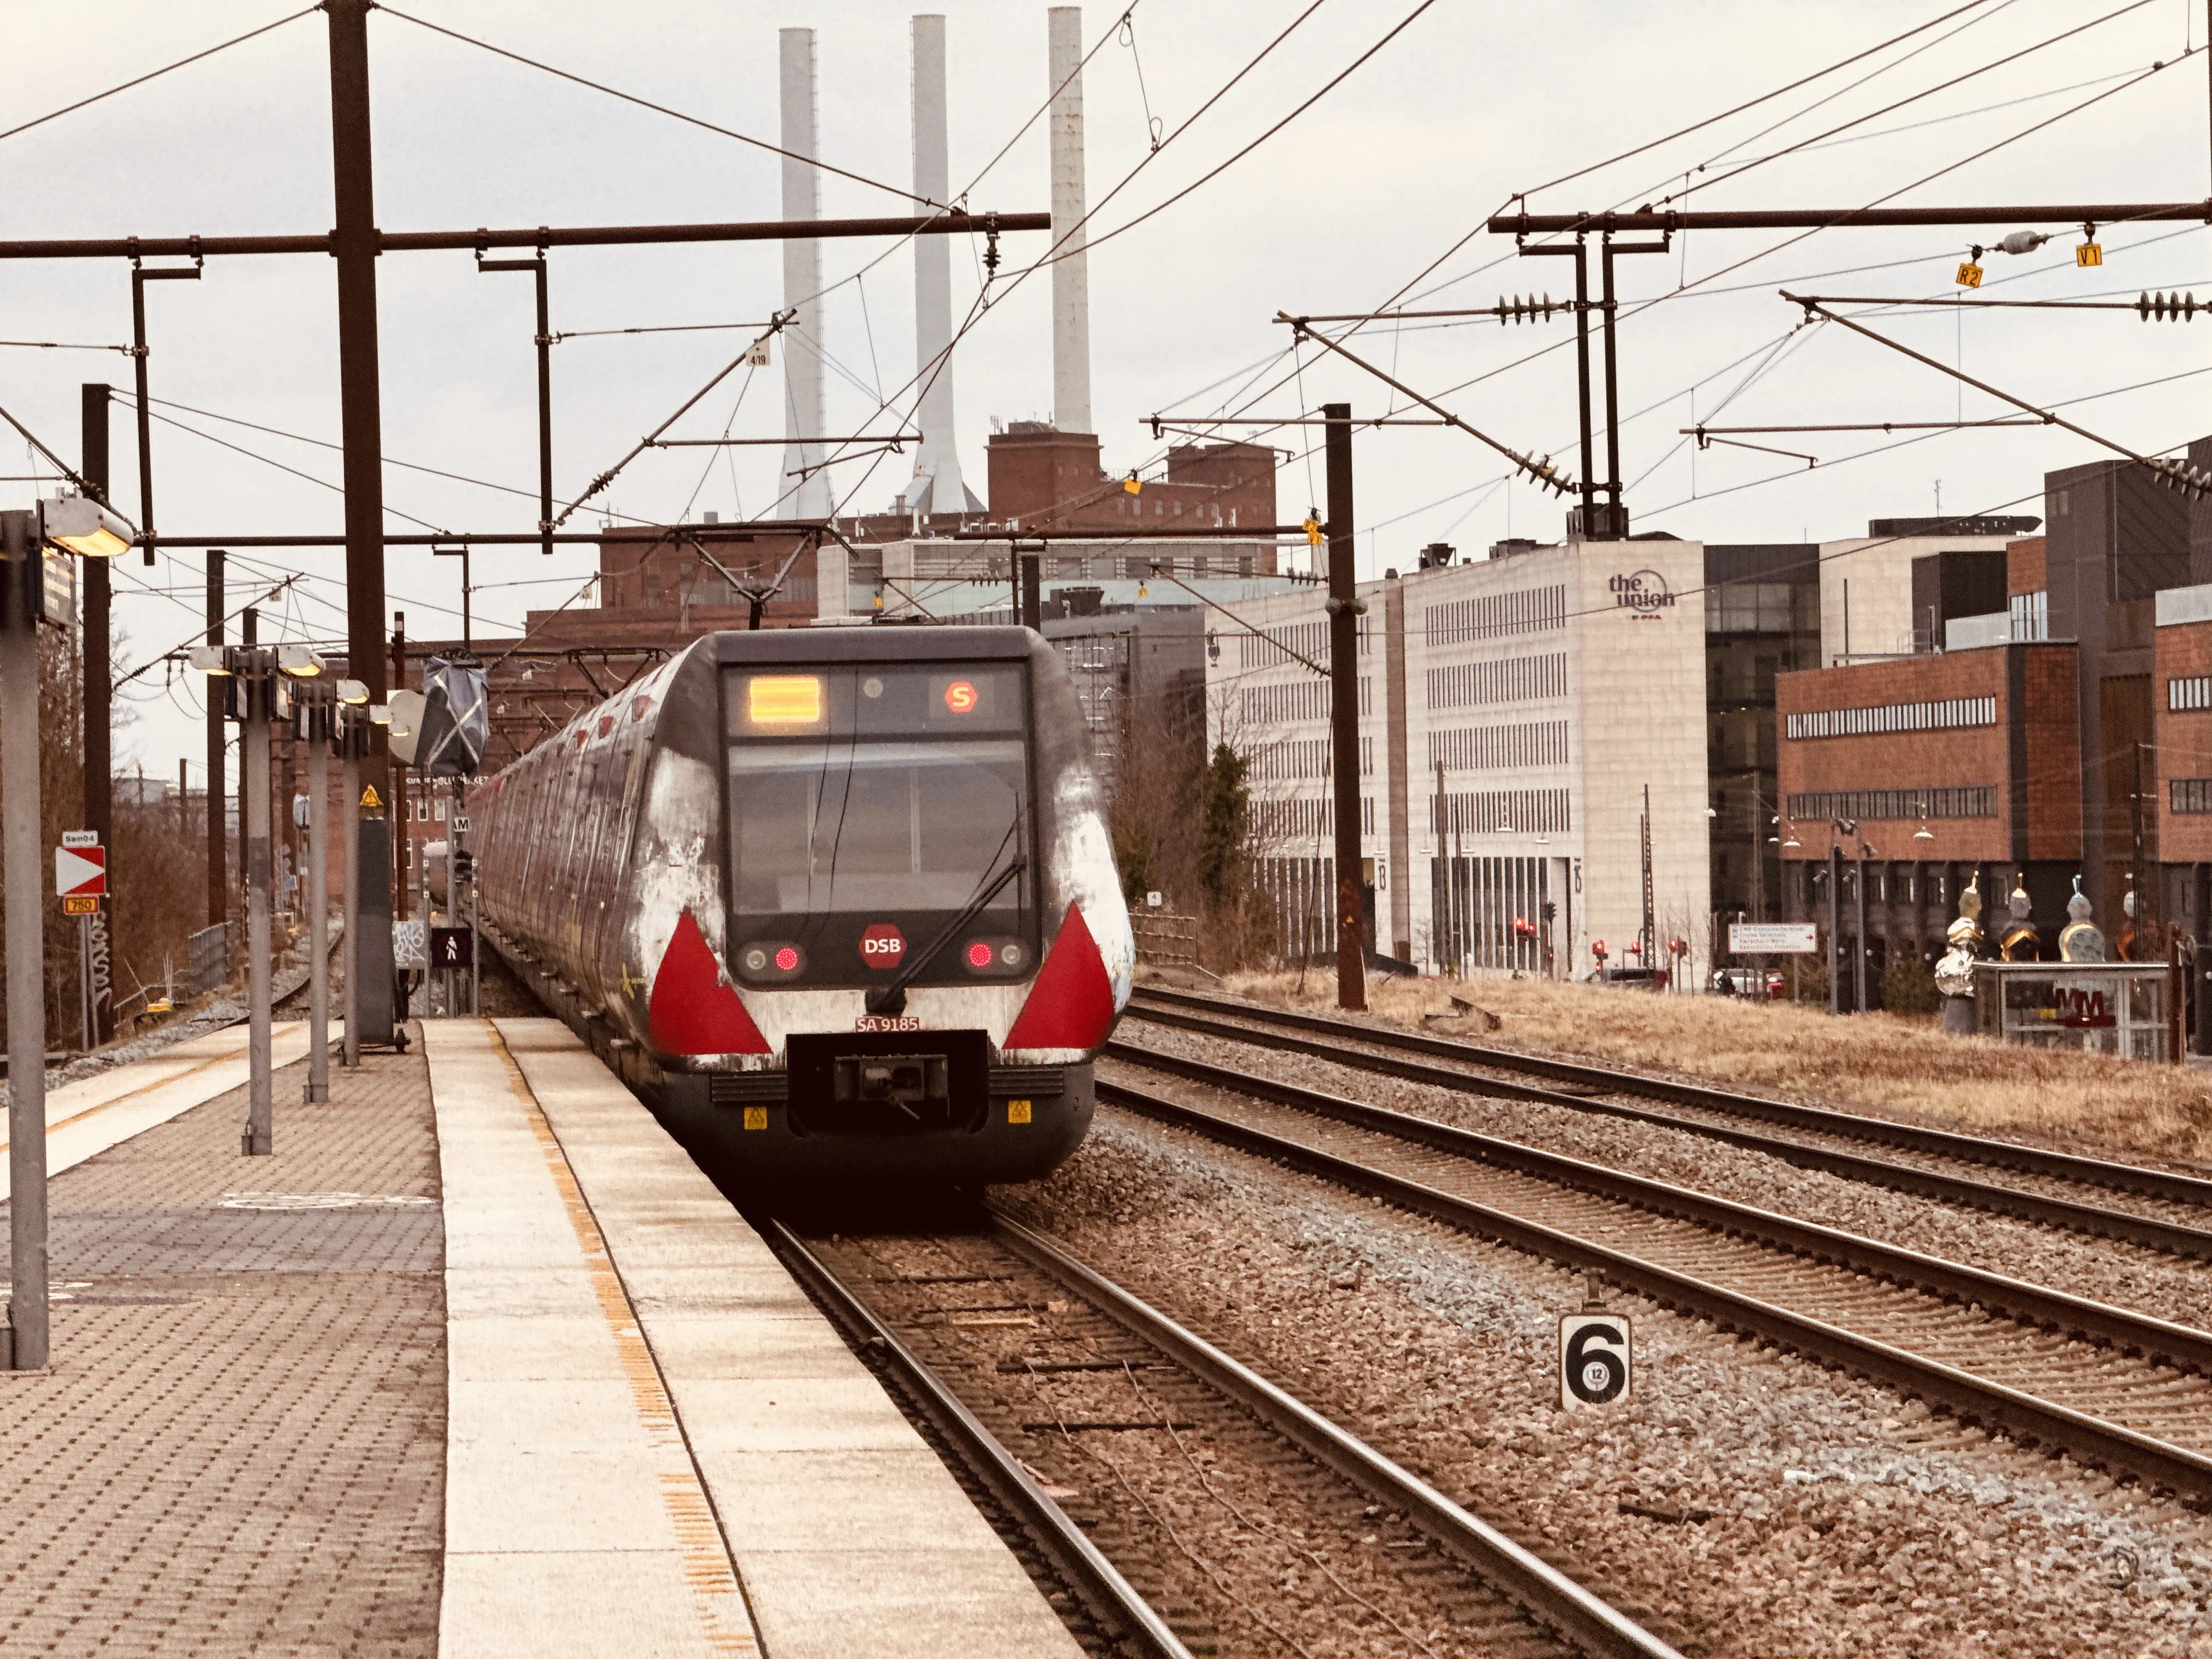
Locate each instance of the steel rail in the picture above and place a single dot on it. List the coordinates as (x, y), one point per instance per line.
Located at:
(2181, 1345)
(2023, 1417)
(2093, 1219)
(1544, 1592)
(2027, 1160)
(543, 236)
(1124, 1615)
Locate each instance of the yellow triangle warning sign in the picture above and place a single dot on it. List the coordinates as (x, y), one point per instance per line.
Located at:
(369, 797)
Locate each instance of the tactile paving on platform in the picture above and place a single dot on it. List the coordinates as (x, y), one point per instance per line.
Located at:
(241, 1446)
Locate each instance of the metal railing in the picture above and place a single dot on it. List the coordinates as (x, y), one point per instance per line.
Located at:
(1165, 940)
(210, 958)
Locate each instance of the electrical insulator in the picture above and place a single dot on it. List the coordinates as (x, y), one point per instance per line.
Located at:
(2193, 481)
(2023, 241)
(2167, 308)
(1526, 308)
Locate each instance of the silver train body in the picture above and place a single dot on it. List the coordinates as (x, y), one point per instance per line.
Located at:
(840, 904)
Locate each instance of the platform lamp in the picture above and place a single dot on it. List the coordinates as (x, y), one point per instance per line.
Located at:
(318, 706)
(262, 677)
(39, 542)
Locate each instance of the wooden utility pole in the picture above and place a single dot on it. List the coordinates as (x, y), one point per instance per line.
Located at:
(1344, 710)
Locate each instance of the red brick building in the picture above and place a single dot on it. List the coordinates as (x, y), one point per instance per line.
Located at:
(2178, 819)
(1041, 478)
(1947, 764)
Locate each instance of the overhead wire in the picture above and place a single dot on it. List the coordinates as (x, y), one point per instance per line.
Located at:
(661, 109)
(155, 75)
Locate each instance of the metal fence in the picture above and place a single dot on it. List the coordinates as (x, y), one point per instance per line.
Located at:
(1165, 940)
(210, 959)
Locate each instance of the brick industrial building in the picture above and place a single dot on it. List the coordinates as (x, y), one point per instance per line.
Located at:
(2040, 727)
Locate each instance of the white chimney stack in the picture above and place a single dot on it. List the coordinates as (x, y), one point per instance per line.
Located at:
(803, 413)
(1071, 280)
(938, 483)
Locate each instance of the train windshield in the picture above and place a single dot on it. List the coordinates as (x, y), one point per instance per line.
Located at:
(870, 805)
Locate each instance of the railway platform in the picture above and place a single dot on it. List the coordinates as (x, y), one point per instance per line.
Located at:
(476, 1364)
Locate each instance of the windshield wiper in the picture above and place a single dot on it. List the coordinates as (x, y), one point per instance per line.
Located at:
(891, 999)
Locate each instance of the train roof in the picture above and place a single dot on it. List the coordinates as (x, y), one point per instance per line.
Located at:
(873, 644)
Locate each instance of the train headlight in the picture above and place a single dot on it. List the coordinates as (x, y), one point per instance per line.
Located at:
(770, 960)
(995, 955)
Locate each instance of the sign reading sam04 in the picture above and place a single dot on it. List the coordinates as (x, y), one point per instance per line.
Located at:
(1644, 592)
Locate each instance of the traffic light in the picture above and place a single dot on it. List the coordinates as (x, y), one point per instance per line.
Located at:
(465, 865)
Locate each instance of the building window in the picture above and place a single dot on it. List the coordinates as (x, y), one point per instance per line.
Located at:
(1486, 748)
(1273, 647)
(1526, 610)
(2189, 795)
(2031, 616)
(1879, 806)
(1749, 608)
(2184, 695)
(1487, 811)
(1507, 680)
(1946, 714)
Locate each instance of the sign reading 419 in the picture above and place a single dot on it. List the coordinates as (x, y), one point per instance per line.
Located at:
(1594, 1360)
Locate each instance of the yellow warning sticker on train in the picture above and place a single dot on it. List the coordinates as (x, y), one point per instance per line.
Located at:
(1018, 1111)
(784, 699)
(757, 1117)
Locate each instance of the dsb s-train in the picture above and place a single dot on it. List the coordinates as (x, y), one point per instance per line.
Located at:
(839, 902)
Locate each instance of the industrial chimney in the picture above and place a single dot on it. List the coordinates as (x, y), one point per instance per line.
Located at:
(1071, 280)
(937, 485)
(802, 415)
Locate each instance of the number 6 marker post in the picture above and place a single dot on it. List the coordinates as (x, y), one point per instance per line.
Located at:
(1594, 1365)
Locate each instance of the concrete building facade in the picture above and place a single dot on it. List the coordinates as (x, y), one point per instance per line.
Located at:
(1514, 714)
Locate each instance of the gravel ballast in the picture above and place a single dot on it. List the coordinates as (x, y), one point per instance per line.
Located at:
(2127, 1275)
(1742, 1502)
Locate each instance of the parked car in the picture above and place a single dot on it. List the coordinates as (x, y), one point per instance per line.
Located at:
(1765, 984)
(1633, 979)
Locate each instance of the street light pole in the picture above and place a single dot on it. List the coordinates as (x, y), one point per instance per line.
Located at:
(256, 689)
(27, 989)
(317, 902)
(1835, 925)
(349, 736)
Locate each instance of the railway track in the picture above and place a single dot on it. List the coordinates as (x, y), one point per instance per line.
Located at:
(2116, 1389)
(1953, 1167)
(1174, 1492)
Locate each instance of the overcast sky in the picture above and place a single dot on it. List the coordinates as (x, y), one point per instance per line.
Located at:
(1471, 103)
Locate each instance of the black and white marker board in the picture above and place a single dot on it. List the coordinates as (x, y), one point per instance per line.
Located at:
(1594, 1360)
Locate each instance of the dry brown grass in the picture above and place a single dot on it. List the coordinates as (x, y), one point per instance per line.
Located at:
(1896, 1066)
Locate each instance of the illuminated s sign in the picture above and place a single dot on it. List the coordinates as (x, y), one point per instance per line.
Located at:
(784, 699)
(1644, 593)
(961, 697)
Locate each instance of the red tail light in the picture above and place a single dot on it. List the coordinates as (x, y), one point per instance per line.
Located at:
(692, 1011)
(1072, 1004)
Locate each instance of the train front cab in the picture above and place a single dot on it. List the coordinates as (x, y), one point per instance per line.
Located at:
(871, 805)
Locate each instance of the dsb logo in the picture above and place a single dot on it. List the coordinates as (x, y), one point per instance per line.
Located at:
(882, 945)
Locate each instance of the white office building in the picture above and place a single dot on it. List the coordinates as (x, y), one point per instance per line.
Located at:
(1516, 715)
